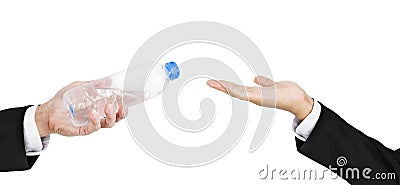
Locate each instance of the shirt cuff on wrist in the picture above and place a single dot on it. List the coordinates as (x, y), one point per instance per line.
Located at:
(304, 128)
(34, 144)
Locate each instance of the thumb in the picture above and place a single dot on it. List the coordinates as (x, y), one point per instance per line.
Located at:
(73, 85)
(263, 81)
(103, 83)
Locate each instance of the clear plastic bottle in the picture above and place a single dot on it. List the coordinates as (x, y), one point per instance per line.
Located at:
(129, 87)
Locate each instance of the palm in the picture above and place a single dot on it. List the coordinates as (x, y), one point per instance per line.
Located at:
(287, 94)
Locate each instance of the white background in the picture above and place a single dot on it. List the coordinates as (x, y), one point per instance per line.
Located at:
(343, 53)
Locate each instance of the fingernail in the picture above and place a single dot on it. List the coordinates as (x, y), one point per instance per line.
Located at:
(95, 115)
(123, 112)
(212, 83)
(110, 109)
(115, 108)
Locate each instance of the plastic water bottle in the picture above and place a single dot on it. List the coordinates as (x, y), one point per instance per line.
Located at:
(129, 87)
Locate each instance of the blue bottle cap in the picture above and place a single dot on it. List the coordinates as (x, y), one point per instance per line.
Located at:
(172, 70)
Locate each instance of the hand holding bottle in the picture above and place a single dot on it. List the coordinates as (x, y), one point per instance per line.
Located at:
(54, 117)
(128, 88)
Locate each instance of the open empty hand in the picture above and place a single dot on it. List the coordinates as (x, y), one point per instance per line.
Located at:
(285, 95)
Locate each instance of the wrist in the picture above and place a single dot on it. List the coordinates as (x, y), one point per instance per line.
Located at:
(42, 120)
(305, 106)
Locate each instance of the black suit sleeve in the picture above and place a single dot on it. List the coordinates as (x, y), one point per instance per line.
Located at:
(332, 138)
(12, 145)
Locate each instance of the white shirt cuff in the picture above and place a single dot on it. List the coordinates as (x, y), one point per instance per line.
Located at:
(33, 143)
(304, 129)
